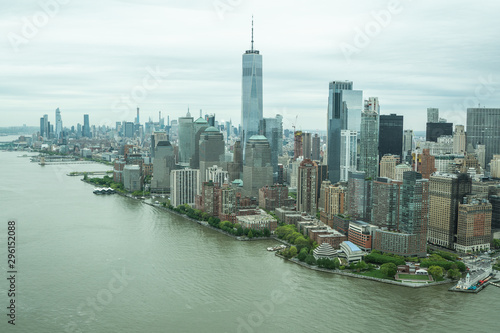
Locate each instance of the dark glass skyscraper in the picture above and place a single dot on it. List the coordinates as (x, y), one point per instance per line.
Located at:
(434, 130)
(251, 95)
(86, 126)
(483, 128)
(344, 112)
(390, 135)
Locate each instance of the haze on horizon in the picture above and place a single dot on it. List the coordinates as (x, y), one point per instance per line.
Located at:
(105, 59)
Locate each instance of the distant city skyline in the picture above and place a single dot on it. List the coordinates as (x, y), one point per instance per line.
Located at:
(166, 57)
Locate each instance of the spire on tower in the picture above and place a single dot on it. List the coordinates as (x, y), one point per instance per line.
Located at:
(252, 33)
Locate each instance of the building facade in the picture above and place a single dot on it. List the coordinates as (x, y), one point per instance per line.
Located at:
(369, 139)
(185, 186)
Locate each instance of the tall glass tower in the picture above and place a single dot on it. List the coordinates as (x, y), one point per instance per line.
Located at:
(251, 94)
(368, 142)
(344, 112)
(58, 123)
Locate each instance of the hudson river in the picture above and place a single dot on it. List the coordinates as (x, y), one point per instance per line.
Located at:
(88, 263)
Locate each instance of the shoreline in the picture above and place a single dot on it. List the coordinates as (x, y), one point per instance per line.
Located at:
(339, 272)
(294, 261)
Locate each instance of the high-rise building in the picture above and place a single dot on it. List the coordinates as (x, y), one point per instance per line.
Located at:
(137, 122)
(495, 166)
(348, 153)
(128, 129)
(407, 144)
(390, 135)
(306, 145)
(332, 201)
(42, 127)
(427, 165)
(435, 130)
(217, 175)
(186, 138)
(369, 138)
(388, 166)
(235, 168)
(483, 128)
(59, 125)
(251, 95)
(185, 186)
(459, 140)
(446, 192)
(46, 126)
(474, 225)
(211, 150)
(344, 112)
(385, 208)
(199, 127)
(257, 169)
(86, 126)
(156, 137)
(359, 191)
(316, 148)
(272, 129)
(272, 197)
(432, 115)
(163, 164)
(307, 187)
(297, 145)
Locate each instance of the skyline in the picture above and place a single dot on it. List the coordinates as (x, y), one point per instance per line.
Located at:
(189, 55)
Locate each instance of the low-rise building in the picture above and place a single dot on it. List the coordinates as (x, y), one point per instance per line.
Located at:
(351, 252)
(258, 222)
(361, 234)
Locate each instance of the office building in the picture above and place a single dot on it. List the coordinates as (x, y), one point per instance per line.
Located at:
(132, 178)
(59, 125)
(272, 197)
(495, 167)
(163, 164)
(432, 115)
(427, 164)
(86, 126)
(407, 145)
(211, 150)
(257, 169)
(446, 192)
(388, 166)
(459, 140)
(199, 127)
(272, 129)
(344, 112)
(316, 148)
(186, 138)
(390, 135)
(251, 95)
(474, 225)
(369, 139)
(306, 145)
(235, 168)
(185, 186)
(435, 130)
(483, 128)
(348, 153)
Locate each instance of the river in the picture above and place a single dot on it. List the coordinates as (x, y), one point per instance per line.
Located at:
(88, 263)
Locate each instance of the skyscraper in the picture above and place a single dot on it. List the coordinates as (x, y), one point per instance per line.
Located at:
(211, 150)
(483, 128)
(257, 169)
(474, 225)
(163, 164)
(344, 112)
(251, 95)
(432, 115)
(360, 196)
(186, 138)
(368, 140)
(446, 192)
(434, 130)
(46, 126)
(385, 208)
(306, 145)
(272, 129)
(307, 187)
(407, 144)
(58, 124)
(316, 148)
(390, 135)
(459, 140)
(348, 153)
(86, 126)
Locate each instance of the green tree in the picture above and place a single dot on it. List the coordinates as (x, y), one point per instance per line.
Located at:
(436, 272)
(250, 234)
(292, 252)
(266, 232)
(454, 274)
(336, 263)
(389, 269)
(303, 254)
(310, 260)
(496, 243)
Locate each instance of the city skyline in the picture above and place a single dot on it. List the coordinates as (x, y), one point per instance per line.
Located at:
(189, 55)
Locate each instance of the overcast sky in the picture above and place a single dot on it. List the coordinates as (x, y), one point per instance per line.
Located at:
(105, 58)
